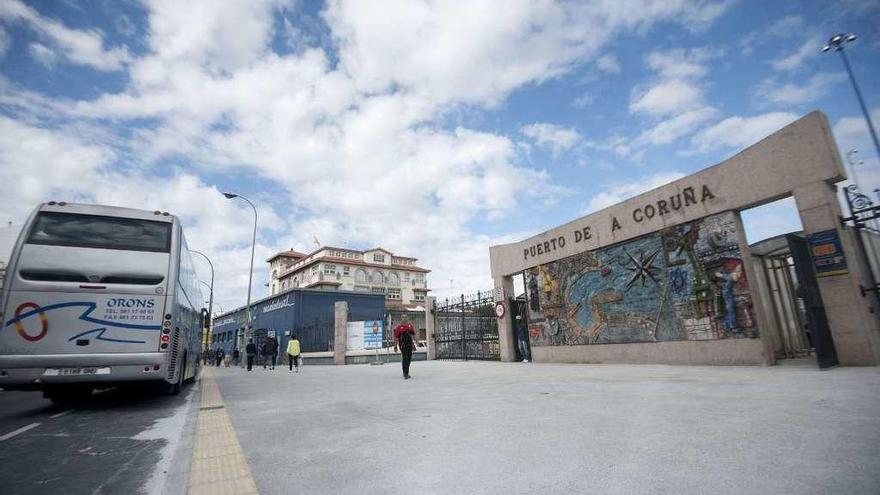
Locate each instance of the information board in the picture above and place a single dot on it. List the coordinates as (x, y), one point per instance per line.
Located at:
(373, 334)
(364, 335)
(827, 253)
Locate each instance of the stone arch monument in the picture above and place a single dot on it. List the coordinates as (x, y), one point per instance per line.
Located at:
(665, 277)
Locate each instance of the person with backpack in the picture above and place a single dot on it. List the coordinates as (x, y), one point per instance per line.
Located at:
(404, 340)
(273, 346)
(293, 353)
(251, 351)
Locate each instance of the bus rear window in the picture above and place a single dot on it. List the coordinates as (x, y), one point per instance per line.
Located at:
(93, 231)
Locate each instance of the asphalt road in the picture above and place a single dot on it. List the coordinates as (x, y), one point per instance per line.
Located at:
(117, 442)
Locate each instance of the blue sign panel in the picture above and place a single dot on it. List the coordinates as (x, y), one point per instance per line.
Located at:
(373, 334)
(827, 253)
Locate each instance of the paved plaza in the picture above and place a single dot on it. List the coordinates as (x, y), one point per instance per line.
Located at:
(488, 427)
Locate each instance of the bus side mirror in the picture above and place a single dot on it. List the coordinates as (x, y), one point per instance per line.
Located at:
(205, 318)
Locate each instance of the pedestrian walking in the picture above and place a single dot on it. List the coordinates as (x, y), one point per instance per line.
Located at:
(235, 356)
(522, 338)
(293, 353)
(266, 352)
(404, 335)
(273, 346)
(251, 351)
(219, 357)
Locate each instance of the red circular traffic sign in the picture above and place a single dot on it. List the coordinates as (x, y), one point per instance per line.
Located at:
(500, 309)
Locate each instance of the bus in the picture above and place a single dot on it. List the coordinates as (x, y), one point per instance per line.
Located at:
(99, 296)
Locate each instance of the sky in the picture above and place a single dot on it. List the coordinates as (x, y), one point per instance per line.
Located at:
(433, 129)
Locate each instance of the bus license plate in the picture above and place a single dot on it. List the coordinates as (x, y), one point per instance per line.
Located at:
(76, 371)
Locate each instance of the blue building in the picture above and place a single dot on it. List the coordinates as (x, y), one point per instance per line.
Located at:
(307, 313)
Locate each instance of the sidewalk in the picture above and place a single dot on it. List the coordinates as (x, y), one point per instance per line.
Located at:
(485, 427)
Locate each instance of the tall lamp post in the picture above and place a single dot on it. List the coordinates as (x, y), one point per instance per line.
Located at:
(836, 43)
(247, 327)
(852, 164)
(210, 300)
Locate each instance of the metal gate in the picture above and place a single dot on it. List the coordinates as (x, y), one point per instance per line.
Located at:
(865, 220)
(466, 328)
(808, 288)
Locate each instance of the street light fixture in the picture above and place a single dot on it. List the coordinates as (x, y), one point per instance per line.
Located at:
(852, 162)
(837, 43)
(247, 327)
(211, 299)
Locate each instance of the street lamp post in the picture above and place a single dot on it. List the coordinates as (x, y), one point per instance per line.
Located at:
(836, 43)
(247, 327)
(852, 162)
(210, 300)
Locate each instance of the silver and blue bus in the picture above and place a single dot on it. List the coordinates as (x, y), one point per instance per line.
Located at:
(98, 296)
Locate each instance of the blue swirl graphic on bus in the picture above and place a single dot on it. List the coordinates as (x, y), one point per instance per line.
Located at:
(88, 309)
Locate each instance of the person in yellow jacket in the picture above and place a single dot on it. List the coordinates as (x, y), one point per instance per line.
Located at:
(293, 353)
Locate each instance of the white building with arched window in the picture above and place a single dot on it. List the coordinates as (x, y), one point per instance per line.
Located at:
(377, 270)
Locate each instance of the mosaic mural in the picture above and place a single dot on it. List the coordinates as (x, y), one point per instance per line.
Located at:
(683, 283)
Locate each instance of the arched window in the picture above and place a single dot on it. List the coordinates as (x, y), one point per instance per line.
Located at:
(378, 278)
(393, 279)
(360, 275)
(295, 282)
(274, 273)
(284, 285)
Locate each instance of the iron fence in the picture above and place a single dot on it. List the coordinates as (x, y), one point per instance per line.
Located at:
(316, 335)
(466, 328)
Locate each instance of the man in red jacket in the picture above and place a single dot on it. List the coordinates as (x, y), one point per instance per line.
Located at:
(404, 339)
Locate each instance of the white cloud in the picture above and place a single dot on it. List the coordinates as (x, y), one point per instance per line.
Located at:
(678, 87)
(627, 190)
(608, 64)
(668, 98)
(5, 43)
(675, 100)
(60, 166)
(124, 26)
(787, 26)
(680, 64)
(772, 219)
(795, 94)
(83, 47)
(43, 55)
(583, 100)
(555, 137)
(851, 133)
(676, 127)
(701, 16)
(355, 139)
(794, 60)
(739, 132)
(434, 47)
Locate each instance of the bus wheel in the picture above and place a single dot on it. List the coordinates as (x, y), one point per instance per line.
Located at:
(67, 395)
(176, 387)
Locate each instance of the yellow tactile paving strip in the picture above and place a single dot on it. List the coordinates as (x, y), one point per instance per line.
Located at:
(218, 464)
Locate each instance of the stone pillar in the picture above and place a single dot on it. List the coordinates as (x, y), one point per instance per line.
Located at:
(759, 308)
(430, 306)
(506, 337)
(341, 332)
(852, 318)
